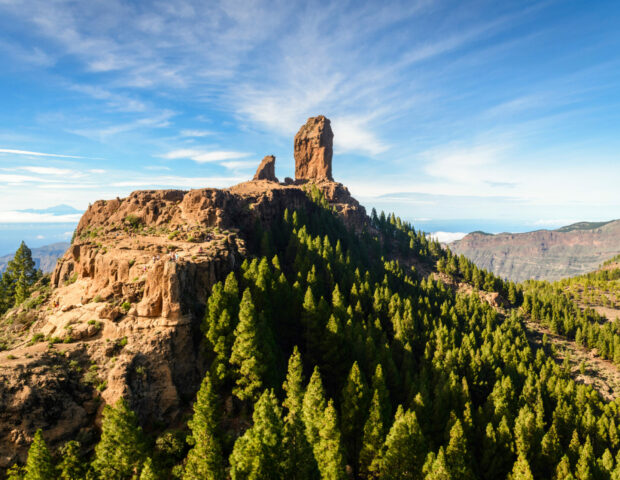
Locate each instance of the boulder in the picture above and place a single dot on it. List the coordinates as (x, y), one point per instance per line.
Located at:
(267, 169)
(314, 150)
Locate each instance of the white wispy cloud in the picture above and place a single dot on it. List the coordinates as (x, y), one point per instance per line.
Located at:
(35, 154)
(240, 165)
(195, 133)
(103, 133)
(157, 167)
(203, 156)
(447, 237)
(117, 101)
(49, 170)
(472, 165)
(12, 216)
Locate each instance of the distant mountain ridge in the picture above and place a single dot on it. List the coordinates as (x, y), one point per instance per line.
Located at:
(543, 254)
(44, 257)
(55, 210)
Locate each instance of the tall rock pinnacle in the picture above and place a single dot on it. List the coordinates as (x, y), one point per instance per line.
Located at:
(314, 150)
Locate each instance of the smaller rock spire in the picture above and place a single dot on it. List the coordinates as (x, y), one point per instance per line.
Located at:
(267, 169)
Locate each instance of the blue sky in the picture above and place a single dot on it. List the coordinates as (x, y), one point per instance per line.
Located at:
(488, 114)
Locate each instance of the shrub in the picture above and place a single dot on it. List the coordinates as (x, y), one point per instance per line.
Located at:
(36, 338)
(122, 342)
(133, 221)
(125, 306)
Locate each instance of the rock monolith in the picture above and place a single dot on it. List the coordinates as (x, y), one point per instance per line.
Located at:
(314, 150)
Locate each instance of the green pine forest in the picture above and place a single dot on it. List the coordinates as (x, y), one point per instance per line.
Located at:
(332, 356)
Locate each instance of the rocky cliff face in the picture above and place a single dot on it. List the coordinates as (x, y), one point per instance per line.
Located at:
(544, 254)
(127, 299)
(314, 150)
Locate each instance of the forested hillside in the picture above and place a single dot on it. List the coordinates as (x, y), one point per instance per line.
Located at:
(583, 308)
(335, 355)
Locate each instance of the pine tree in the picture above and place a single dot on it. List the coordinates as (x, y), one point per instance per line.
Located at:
(330, 456)
(19, 276)
(354, 410)
(457, 455)
(22, 262)
(22, 289)
(246, 352)
(300, 463)
(313, 407)
(521, 470)
(313, 328)
(5, 300)
(527, 433)
(121, 450)
(583, 470)
(71, 466)
(204, 460)
(404, 451)
(39, 465)
(378, 385)
(258, 453)
(435, 468)
(374, 436)
(563, 470)
(148, 471)
(15, 473)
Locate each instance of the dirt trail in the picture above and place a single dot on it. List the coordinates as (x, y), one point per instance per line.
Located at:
(602, 374)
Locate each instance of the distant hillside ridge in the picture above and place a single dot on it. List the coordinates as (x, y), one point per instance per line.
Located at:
(583, 226)
(543, 254)
(44, 257)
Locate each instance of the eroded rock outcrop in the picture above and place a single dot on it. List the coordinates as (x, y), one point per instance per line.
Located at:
(267, 169)
(314, 150)
(129, 295)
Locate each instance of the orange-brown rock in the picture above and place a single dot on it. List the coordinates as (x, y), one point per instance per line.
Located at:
(127, 301)
(314, 150)
(267, 169)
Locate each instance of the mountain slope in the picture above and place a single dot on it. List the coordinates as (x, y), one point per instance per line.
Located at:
(543, 254)
(313, 341)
